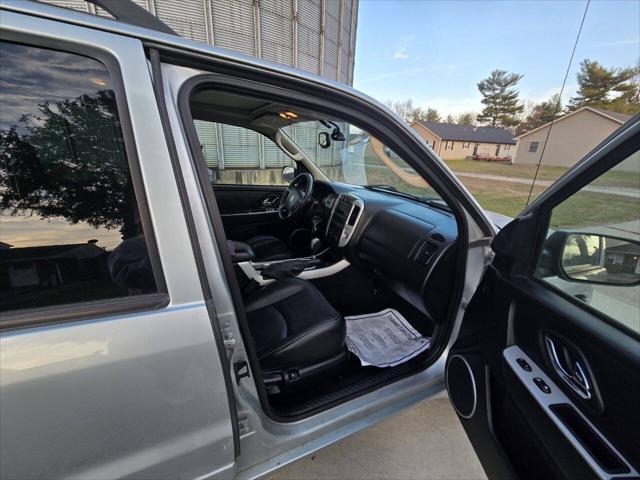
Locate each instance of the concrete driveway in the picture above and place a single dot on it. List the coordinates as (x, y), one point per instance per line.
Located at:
(425, 442)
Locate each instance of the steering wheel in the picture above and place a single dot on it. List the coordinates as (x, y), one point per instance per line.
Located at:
(296, 196)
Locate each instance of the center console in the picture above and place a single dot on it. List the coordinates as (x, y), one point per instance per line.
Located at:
(343, 220)
(345, 214)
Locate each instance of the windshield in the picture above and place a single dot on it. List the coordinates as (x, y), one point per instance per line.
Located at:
(348, 154)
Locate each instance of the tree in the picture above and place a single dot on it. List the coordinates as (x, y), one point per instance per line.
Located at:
(431, 115)
(616, 89)
(410, 113)
(541, 113)
(59, 162)
(500, 99)
(466, 118)
(407, 110)
(450, 119)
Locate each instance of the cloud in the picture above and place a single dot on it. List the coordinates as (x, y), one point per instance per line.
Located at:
(619, 43)
(33, 76)
(527, 95)
(453, 105)
(395, 73)
(431, 68)
(400, 49)
(401, 54)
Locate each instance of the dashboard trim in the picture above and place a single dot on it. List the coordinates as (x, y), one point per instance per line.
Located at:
(250, 271)
(347, 230)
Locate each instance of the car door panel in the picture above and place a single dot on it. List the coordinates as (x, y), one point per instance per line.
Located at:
(510, 416)
(611, 359)
(249, 210)
(238, 199)
(557, 384)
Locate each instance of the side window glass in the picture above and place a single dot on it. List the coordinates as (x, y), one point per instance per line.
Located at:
(70, 229)
(239, 156)
(592, 250)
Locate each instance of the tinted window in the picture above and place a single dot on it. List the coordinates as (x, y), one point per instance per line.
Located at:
(592, 251)
(237, 155)
(70, 228)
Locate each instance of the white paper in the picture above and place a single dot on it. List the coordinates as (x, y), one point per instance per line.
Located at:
(383, 339)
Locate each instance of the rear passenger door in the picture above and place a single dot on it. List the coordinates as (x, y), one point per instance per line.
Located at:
(109, 363)
(545, 374)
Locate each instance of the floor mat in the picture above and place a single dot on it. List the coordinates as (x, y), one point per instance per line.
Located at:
(384, 339)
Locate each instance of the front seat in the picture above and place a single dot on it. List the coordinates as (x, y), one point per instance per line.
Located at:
(297, 333)
(261, 248)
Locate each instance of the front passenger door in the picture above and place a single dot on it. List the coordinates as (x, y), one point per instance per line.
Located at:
(545, 374)
(246, 172)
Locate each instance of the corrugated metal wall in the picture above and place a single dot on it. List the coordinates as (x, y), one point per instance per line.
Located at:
(240, 148)
(314, 35)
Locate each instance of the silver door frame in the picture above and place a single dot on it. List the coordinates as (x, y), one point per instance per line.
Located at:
(267, 444)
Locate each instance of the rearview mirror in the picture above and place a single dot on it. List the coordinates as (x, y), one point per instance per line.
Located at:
(324, 140)
(288, 174)
(600, 259)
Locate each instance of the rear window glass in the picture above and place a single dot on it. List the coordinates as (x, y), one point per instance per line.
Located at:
(70, 228)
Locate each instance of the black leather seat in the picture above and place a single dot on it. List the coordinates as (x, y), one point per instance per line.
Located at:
(261, 248)
(297, 333)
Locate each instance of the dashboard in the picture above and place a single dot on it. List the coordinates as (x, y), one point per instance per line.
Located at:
(409, 246)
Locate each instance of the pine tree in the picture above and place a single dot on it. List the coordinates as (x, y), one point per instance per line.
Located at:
(500, 99)
(432, 115)
(541, 114)
(467, 118)
(614, 89)
(450, 119)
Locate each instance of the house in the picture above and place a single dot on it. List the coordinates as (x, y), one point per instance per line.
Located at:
(452, 141)
(571, 138)
(623, 258)
(51, 265)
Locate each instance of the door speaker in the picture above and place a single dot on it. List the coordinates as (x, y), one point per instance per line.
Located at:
(462, 386)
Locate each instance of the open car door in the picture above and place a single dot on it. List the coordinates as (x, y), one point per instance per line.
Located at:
(545, 373)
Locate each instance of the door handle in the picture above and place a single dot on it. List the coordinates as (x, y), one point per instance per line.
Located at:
(576, 378)
(271, 201)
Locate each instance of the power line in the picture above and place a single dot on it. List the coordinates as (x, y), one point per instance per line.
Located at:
(557, 107)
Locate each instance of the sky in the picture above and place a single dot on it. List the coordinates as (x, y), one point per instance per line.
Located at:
(435, 52)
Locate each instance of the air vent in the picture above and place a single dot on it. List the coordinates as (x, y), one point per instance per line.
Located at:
(426, 252)
(437, 237)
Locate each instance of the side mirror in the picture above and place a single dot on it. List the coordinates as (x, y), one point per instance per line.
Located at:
(324, 140)
(288, 174)
(592, 258)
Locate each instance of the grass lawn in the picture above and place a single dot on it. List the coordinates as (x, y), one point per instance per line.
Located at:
(500, 197)
(582, 209)
(611, 179)
(508, 198)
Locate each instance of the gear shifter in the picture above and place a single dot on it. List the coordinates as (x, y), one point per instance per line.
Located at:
(316, 245)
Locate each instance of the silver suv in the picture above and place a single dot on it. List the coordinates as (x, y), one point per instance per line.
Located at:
(213, 265)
